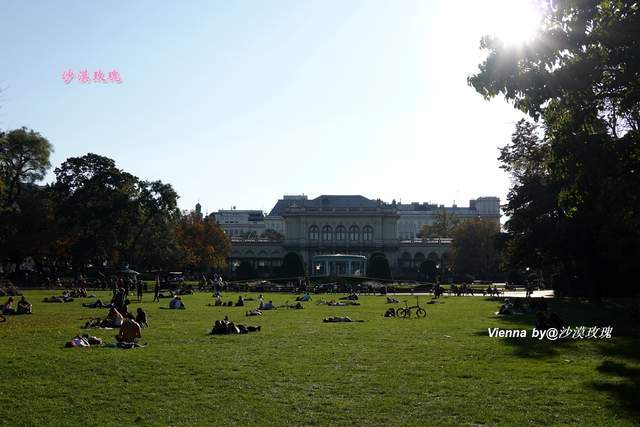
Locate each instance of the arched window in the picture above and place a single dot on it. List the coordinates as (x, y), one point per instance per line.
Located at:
(327, 233)
(354, 233)
(340, 232)
(314, 233)
(367, 233)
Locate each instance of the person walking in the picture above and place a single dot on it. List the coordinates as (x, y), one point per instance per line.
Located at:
(156, 289)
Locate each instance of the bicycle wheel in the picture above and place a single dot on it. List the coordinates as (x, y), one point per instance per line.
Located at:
(401, 312)
(421, 312)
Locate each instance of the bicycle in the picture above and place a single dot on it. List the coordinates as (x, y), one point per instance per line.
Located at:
(405, 312)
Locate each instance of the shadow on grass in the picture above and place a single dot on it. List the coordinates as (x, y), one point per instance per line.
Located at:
(620, 366)
(620, 379)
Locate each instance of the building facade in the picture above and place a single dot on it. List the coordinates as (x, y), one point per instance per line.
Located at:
(347, 225)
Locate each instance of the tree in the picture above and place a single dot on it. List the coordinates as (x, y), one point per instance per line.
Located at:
(577, 214)
(157, 211)
(378, 267)
(474, 248)
(428, 270)
(24, 159)
(203, 244)
(95, 208)
(292, 266)
(272, 235)
(245, 271)
(24, 207)
(443, 225)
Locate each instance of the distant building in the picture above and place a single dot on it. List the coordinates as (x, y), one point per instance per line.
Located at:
(413, 216)
(346, 225)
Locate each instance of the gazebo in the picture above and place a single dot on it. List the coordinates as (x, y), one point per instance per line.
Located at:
(339, 265)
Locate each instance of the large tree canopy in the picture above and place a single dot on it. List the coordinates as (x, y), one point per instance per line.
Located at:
(574, 207)
(24, 159)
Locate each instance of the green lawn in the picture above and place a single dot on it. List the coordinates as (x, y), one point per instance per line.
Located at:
(440, 370)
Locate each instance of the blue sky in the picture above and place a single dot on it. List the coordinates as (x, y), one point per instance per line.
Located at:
(238, 103)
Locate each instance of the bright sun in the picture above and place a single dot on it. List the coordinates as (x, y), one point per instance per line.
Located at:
(515, 21)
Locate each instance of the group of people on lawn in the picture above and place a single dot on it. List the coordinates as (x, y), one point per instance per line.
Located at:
(22, 307)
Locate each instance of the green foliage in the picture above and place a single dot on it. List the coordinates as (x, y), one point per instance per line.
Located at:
(245, 271)
(574, 207)
(24, 159)
(272, 235)
(474, 248)
(203, 244)
(378, 267)
(292, 266)
(443, 225)
(25, 208)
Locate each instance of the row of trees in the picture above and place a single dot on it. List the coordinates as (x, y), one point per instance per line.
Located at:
(574, 204)
(95, 215)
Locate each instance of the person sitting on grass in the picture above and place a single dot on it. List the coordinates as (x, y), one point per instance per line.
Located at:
(506, 307)
(130, 332)
(351, 297)
(218, 300)
(176, 303)
(240, 302)
(113, 320)
(267, 305)
(304, 298)
(7, 308)
(390, 313)
(24, 306)
(141, 317)
(339, 319)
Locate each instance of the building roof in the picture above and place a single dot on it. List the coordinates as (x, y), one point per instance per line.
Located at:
(325, 201)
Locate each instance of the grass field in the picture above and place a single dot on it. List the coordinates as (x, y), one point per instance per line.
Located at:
(442, 370)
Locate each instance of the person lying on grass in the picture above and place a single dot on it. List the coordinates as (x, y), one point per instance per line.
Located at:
(296, 306)
(96, 304)
(176, 303)
(57, 299)
(338, 319)
(255, 312)
(113, 320)
(226, 327)
(334, 303)
(391, 300)
(130, 332)
(83, 341)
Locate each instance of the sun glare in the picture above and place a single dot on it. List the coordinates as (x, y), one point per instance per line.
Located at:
(516, 21)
